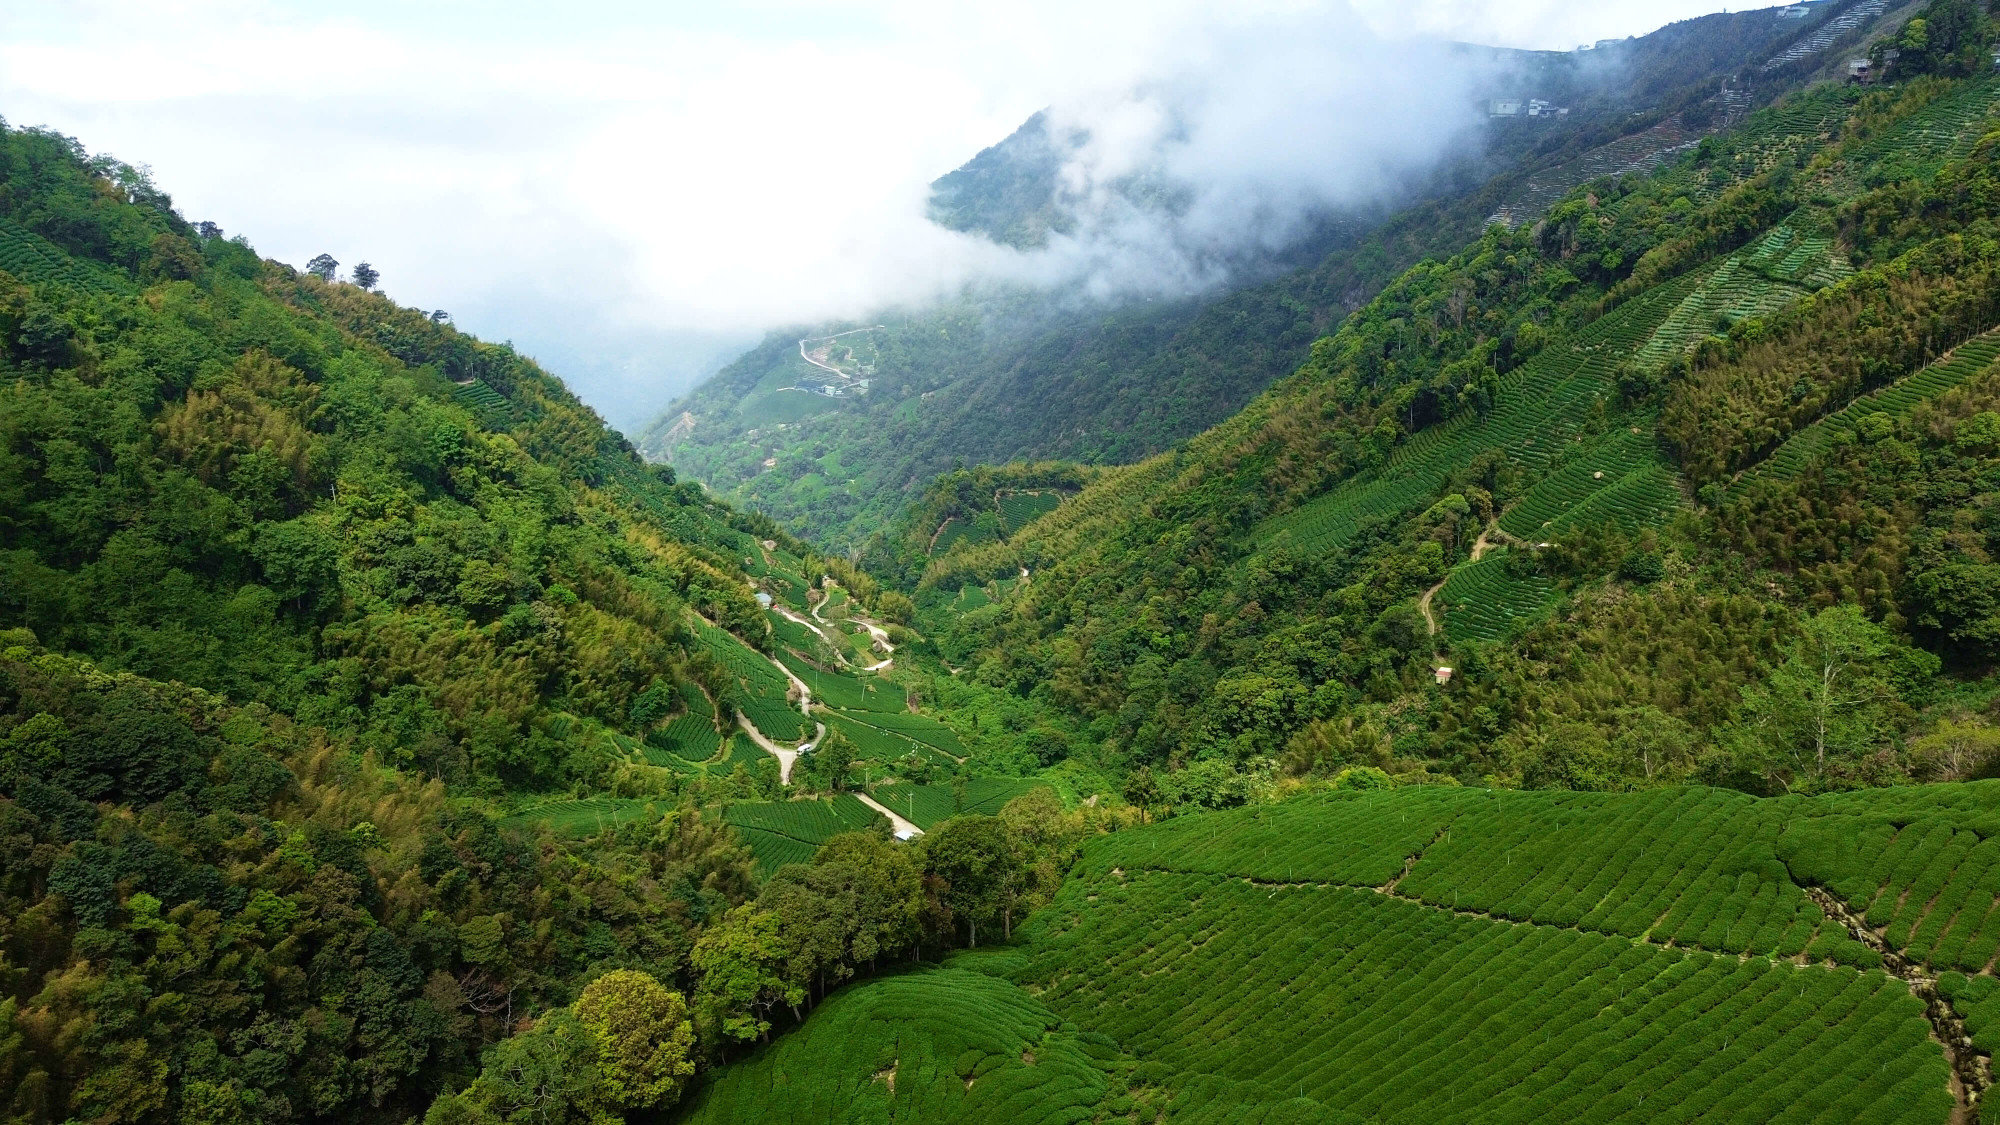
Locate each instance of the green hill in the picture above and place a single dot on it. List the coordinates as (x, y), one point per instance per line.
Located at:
(1569, 694)
(1455, 955)
(1727, 391)
(365, 702)
(996, 377)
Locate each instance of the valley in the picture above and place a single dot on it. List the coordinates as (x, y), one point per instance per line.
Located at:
(1523, 654)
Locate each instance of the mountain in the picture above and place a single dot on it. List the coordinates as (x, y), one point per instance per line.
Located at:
(364, 700)
(1625, 469)
(996, 377)
(1568, 693)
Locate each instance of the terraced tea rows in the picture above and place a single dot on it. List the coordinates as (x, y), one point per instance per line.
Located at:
(918, 728)
(927, 805)
(486, 404)
(1697, 867)
(878, 746)
(845, 692)
(1927, 881)
(782, 832)
(688, 737)
(1827, 34)
(1455, 955)
(929, 1046)
(1807, 258)
(1606, 465)
(1021, 508)
(35, 259)
(1692, 866)
(1355, 838)
(763, 692)
(1538, 414)
(1927, 140)
(1977, 1002)
(1641, 499)
(1391, 1010)
(1970, 359)
(1483, 601)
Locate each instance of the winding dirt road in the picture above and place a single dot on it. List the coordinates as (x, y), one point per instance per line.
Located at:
(904, 829)
(1479, 547)
(787, 756)
(807, 356)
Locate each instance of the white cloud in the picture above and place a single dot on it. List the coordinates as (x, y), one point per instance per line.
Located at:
(627, 190)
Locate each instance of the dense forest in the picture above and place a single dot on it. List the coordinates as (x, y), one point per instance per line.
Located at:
(312, 604)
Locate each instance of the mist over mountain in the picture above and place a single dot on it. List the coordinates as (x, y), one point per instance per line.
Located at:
(1328, 576)
(1139, 260)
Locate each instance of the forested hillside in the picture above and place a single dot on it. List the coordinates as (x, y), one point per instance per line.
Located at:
(1015, 375)
(381, 738)
(1626, 473)
(1567, 694)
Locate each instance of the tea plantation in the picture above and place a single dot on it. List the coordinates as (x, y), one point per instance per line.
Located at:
(1453, 955)
(782, 832)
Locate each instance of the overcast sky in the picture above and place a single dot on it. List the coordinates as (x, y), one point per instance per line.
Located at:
(631, 191)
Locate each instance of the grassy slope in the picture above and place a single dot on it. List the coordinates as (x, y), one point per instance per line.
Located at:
(1446, 955)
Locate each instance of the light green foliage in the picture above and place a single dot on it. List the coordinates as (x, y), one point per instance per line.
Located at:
(547, 1075)
(934, 1045)
(740, 960)
(642, 1037)
(1383, 1007)
(1834, 698)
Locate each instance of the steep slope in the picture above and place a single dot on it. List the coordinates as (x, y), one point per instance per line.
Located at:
(219, 471)
(1266, 579)
(1021, 376)
(369, 711)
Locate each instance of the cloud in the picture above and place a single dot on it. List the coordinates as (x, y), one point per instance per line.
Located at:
(1248, 131)
(628, 191)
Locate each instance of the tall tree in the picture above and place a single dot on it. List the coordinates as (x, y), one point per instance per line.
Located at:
(1831, 699)
(323, 266)
(740, 961)
(975, 857)
(643, 1038)
(366, 275)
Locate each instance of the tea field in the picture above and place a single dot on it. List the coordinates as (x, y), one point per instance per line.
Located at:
(781, 832)
(1449, 955)
(926, 805)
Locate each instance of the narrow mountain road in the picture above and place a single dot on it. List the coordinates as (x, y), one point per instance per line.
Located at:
(789, 614)
(876, 633)
(787, 756)
(904, 829)
(805, 693)
(807, 356)
(1479, 548)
